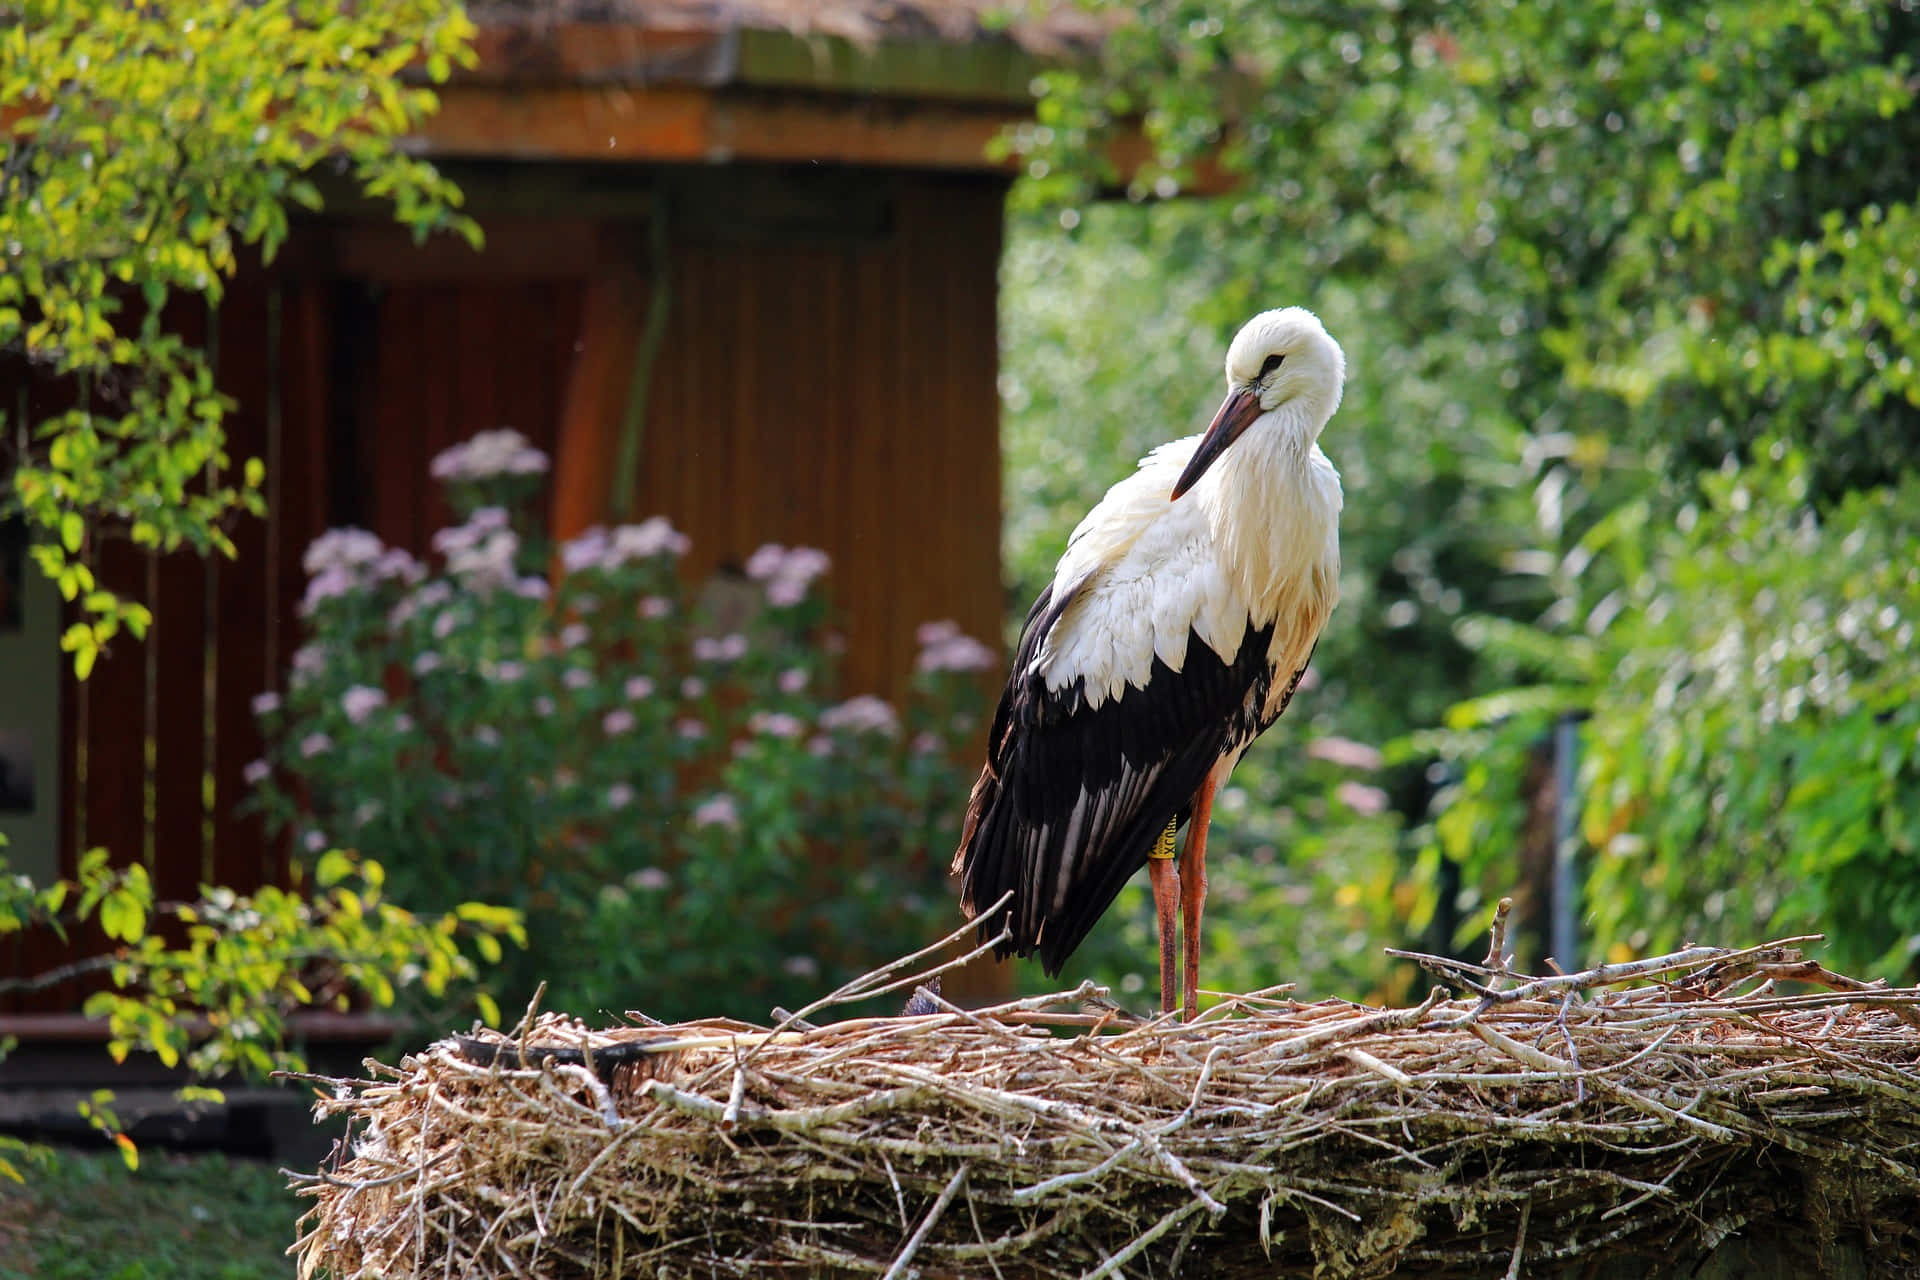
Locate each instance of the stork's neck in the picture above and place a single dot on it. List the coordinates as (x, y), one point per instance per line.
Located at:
(1272, 501)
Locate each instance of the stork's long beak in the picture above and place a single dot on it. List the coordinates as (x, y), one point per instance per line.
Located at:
(1237, 412)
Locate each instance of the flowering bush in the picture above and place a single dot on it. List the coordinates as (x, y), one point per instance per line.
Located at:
(689, 818)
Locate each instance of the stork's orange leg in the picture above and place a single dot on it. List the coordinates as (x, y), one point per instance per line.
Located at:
(1193, 888)
(1166, 888)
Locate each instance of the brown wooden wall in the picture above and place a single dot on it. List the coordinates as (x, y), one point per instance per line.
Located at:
(830, 385)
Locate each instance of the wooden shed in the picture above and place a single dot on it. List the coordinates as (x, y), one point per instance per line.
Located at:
(760, 238)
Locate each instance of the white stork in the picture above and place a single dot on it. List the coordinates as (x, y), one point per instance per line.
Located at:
(1175, 630)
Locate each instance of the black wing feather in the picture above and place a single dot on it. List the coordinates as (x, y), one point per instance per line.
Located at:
(1129, 766)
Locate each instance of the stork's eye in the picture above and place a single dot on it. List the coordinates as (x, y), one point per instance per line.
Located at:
(1272, 363)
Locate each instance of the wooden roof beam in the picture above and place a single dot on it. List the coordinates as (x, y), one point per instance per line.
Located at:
(691, 125)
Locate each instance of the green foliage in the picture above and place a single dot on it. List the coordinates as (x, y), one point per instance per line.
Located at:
(203, 1217)
(209, 984)
(149, 145)
(1578, 254)
(1752, 764)
(660, 778)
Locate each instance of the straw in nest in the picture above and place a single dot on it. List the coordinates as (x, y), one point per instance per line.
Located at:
(1655, 1108)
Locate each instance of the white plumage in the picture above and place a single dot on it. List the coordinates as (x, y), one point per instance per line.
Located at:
(1112, 727)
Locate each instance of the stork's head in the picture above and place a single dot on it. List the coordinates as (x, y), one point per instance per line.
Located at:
(1280, 360)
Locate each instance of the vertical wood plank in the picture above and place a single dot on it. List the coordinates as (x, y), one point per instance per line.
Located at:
(243, 652)
(598, 367)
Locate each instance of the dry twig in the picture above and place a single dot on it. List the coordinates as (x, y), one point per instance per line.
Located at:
(1571, 1115)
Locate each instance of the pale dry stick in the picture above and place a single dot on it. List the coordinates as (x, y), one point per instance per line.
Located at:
(1039, 1191)
(862, 987)
(1640, 1102)
(1361, 1058)
(1526, 1211)
(1111, 1267)
(1600, 976)
(584, 1078)
(323, 1178)
(800, 1121)
(912, 1246)
(730, 1116)
(1496, 960)
(899, 1196)
(1385, 1020)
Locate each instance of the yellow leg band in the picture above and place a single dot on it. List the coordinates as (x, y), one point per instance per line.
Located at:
(1163, 847)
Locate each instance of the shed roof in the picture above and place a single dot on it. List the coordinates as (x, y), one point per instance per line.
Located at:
(1055, 30)
(888, 83)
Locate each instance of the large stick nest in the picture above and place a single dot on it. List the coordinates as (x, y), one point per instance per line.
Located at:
(1655, 1107)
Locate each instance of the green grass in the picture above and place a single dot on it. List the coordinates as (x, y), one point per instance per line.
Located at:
(87, 1217)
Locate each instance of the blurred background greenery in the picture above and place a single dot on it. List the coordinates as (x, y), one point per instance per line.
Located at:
(1632, 415)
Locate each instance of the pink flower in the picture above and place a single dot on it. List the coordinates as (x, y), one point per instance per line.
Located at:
(617, 721)
(361, 701)
(577, 678)
(428, 661)
(347, 549)
(766, 561)
(806, 563)
(655, 607)
(395, 563)
(727, 648)
(793, 679)
(929, 634)
(776, 724)
(1361, 798)
(689, 728)
(265, 704)
(651, 537)
(488, 563)
(1345, 751)
(256, 772)
(652, 879)
(619, 796)
(573, 635)
(329, 584)
(955, 653)
(639, 687)
(315, 841)
(787, 573)
(489, 454)
(864, 714)
(692, 687)
(717, 811)
(509, 671)
(820, 745)
(543, 705)
(784, 593)
(315, 744)
(587, 550)
(487, 736)
(531, 588)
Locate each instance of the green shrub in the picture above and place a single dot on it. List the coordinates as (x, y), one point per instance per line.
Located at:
(1752, 760)
(660, 778)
